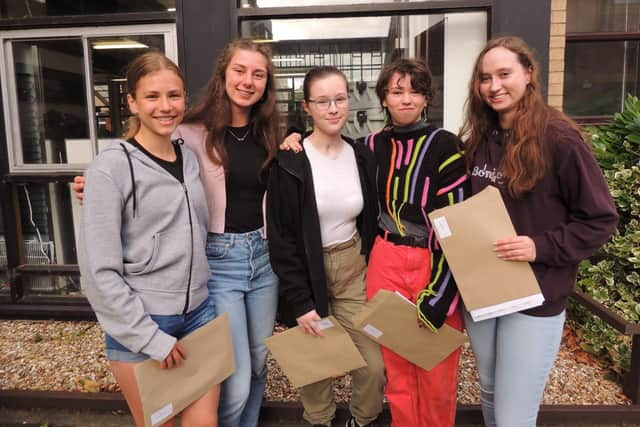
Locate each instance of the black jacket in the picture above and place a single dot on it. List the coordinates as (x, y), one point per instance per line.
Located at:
(293, 230)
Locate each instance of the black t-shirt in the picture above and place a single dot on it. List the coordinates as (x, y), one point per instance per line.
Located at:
(175, 168)
(244, 187)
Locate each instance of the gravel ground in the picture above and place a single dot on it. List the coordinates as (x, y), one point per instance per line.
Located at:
(70, 356)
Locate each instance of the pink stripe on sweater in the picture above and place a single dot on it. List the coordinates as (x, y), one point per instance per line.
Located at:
(409, 151)
(454, 304)
(399, 160)
(462, 179)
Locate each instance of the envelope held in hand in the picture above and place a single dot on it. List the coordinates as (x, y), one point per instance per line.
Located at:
(392, 321)
(306, 359)
(210, 359)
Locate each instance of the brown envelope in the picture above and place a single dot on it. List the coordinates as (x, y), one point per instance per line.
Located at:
(392, 321)
(467, 231)
(210, 359)
(306, 359)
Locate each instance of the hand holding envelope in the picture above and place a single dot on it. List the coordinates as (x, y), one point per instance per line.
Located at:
(489, 286)
(392, 321)
(306, 359)
(210, 359)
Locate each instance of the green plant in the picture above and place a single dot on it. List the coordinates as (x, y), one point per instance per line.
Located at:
(613, 276)
(598, 338)
(619, 141)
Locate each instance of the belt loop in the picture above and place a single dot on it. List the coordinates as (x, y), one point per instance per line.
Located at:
(386, 235)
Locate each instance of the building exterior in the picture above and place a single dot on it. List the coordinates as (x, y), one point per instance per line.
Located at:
(62, 85)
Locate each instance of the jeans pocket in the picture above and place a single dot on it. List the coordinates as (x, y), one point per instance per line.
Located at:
(217, 250)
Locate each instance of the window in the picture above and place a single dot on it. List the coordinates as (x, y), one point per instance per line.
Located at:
(288, 3)
(49, 218)
(64, 90)
(361, 46)
(602, 56)
(31, 8)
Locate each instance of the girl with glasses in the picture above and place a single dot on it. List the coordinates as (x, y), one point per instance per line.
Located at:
(419, 169)
(321, 212)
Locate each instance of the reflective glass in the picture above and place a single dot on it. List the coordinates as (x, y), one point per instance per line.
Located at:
(52, 100)
(596, 87)
(30, 8)
(109, 59)
(592, 16)
(288, 3)
(51, 97)
(49, 215)
(360, 47)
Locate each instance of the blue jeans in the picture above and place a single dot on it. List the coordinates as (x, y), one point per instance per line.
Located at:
(243, 284)
(515, 354)
(177, 325)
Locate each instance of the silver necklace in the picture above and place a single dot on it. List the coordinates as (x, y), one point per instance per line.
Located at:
(238, 138)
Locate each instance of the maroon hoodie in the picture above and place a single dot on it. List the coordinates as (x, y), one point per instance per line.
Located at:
(569, 214)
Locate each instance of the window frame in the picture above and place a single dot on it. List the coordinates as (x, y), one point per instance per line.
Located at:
(240, 15)
(9, 94)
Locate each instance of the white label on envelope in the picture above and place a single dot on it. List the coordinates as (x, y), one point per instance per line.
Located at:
(442, 226)
(373, 331)
(324, 324)
(161, 414)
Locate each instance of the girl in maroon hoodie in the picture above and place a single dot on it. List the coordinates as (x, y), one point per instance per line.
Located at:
(560, 206)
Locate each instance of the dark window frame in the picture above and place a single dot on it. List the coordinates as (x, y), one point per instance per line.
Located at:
(239, 14)
(112, 19)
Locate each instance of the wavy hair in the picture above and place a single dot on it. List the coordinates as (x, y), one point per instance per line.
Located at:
(525, 160)
(213, 110)
(418, 72)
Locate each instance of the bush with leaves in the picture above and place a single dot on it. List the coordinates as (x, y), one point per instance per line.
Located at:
(613, 276)
(619, 141)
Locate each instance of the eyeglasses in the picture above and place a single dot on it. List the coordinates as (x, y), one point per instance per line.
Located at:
(324, 103)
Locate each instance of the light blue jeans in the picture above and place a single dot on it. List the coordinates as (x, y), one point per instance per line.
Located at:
(243, 284)
(515, 354)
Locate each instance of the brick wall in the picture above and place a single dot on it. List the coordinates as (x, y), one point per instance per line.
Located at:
(556, 52)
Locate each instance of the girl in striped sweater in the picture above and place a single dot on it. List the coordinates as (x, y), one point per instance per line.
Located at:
(420, 168)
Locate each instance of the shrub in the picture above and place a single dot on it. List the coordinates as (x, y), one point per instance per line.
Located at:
(619, 141)
(613, 276)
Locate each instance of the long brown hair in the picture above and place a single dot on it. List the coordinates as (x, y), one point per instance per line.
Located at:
(525, 161)
(214, 108)
(147, 63)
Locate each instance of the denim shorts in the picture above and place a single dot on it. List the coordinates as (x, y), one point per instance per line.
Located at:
(176, 325)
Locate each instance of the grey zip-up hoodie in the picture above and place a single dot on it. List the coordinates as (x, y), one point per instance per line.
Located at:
(142, 245)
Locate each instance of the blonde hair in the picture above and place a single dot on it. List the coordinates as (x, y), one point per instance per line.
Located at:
(147, 63)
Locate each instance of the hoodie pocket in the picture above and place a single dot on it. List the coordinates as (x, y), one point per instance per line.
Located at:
(144, 266)
(168, 266)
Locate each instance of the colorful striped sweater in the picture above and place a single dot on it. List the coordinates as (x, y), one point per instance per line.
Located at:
(421, 169)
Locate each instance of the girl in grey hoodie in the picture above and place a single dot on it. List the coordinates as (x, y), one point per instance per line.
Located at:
(142, 246)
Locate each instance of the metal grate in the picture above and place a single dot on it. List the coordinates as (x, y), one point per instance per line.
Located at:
(33, 254)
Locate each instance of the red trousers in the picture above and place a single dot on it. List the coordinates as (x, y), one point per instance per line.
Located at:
(417, 398)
